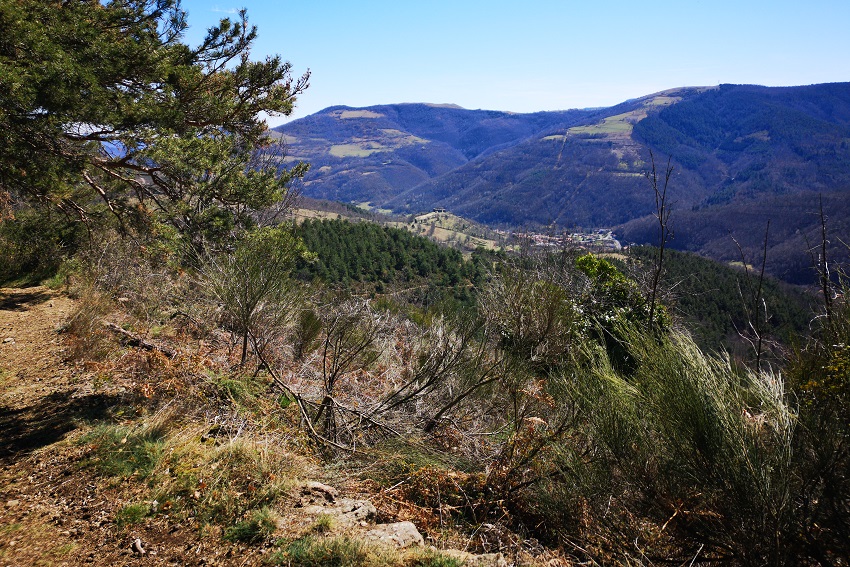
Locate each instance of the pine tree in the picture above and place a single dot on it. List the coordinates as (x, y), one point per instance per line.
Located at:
(103, 108)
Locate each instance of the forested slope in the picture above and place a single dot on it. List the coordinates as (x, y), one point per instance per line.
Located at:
(372, 154)
(379, 259)
(741, 155)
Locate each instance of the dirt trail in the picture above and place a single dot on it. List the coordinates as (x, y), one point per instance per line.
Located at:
(35, 384)
(35, 392)
(53, 511)
(49, 513)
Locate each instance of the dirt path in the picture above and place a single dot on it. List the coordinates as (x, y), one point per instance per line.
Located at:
(35, 385)
(53, 511)
(35, 389)
(49, 514)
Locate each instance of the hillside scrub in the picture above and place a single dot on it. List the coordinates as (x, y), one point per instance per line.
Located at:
(554, 411)
(251, 284)
(691, 443)
(34, 245)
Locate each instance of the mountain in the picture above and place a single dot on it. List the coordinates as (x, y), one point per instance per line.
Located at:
(372, 154)
(586, 173)
(742, 155)
(778, 155)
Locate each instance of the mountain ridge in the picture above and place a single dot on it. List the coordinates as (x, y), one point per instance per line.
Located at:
(736, 150)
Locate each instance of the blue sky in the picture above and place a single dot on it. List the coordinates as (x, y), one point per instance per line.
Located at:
(538, 54)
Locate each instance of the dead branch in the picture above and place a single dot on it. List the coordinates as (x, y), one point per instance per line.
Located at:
(303, 408)
(135, 340)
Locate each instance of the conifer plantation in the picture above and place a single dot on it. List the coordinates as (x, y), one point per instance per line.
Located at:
(193, 373)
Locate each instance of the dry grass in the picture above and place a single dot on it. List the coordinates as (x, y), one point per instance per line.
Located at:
(312, 551)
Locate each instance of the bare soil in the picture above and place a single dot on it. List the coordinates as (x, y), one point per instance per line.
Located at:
(53, 511)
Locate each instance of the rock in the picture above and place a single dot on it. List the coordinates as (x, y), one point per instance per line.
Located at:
(317, 493)
(399, 534)
(8, 340)
(137, 547)
(471, 560)
(357, 511)
(487, 560)
(345, 512)
(12, 503)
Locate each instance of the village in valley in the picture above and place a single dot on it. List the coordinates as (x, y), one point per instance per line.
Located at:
(596, 240)
(467, 234)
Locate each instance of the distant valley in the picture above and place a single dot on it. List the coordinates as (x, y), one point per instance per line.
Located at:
(742, 154)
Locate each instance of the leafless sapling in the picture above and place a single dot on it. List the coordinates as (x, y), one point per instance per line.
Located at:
(662, 215)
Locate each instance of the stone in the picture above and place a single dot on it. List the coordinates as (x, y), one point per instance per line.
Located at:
(399, 534)
(317, 493)
(346, 512)
(137, 547)
(357, 511)
(8, 340)
(471, 560)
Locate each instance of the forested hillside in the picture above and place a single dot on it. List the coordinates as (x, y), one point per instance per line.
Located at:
(765, 154)
(741, 155)
(371, 154)
(384, 260)
(794, 236)
(719, 303)
(716, 302)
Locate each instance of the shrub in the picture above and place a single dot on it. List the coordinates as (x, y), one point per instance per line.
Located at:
(34, 243)
(251, 282)
(684, 452)
(820, 375)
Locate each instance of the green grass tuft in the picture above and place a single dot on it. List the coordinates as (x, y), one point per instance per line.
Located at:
(310, 551)
(324, 523)
(132, 514)
(314, 551)
(123, 451)
(260, 525)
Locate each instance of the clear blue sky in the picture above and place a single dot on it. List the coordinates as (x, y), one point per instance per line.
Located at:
(531, 55)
